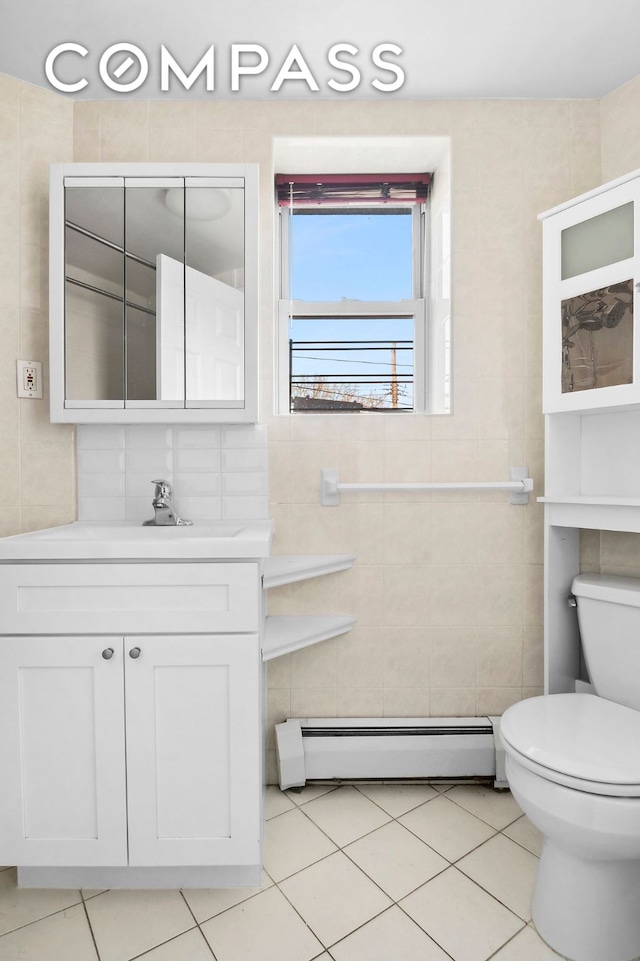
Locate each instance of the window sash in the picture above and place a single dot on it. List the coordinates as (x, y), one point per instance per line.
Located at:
(419, 228)
(302, 309)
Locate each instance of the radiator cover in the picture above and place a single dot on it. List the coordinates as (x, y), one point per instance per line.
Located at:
(326, 749)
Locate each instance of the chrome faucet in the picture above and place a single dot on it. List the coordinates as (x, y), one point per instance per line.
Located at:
(165, 515)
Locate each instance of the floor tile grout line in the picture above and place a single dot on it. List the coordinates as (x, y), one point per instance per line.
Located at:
(352, 840)
(430, 935)
(424, 930)
(182, 895)
(136, 957)
(206, 941)
(484, 820)
(524, 846)
(512, 938)
(330, 790)
(455, 860)
(91, 931)
(437, 793)
(486, 891)
(422, 883)
(379, 915)
(394, 816)
(230, 907)
(198, 926)
(304, 920)
(27, 924)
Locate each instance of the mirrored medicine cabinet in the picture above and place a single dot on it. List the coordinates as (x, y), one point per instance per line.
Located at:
(153, 293)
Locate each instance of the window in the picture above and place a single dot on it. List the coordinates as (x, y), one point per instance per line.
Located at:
(352, 309)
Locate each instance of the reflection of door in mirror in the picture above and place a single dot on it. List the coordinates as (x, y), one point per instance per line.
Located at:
(153, 230)
(214, 335)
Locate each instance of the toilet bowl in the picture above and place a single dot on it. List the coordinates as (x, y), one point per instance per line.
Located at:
(573, 765)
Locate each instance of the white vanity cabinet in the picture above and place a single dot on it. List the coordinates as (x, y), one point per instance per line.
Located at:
(131, 719)
(153, 293)
(132, 729)
(140, 751)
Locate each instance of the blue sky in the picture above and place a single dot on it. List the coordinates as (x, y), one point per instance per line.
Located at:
(358, 256)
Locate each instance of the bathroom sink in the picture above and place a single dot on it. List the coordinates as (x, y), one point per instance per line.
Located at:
(110, 540)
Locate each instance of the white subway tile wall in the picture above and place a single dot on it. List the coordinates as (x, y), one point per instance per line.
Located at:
(217, 473)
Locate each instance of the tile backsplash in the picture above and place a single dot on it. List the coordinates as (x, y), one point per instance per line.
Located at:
(217, 473)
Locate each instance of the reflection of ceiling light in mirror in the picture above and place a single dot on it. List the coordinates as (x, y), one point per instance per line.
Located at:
(204, 203)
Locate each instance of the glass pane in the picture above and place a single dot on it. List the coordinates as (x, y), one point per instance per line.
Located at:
(597, 242)
(141, 342)
(352, 364)
(94, 278)
(154, 262)
(357, 256)
(214, 275)
(597, 338)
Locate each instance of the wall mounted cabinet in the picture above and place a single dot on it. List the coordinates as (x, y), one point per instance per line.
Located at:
(591, 283)
(153, 293)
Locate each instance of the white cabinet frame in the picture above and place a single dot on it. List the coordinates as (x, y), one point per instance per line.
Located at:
(109, 412)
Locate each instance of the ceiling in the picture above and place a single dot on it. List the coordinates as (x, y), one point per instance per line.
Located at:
(451, 49)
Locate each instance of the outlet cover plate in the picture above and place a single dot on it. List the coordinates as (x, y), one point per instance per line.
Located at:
(29, 378)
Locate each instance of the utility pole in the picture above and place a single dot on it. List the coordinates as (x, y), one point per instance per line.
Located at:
(394, 377)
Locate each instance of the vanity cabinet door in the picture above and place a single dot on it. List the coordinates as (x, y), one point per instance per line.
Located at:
(193, 749)
(62, 752)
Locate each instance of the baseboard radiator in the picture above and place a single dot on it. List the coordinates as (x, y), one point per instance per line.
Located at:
(371, 749)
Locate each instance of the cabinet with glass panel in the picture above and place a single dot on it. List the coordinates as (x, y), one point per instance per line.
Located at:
(591, 275)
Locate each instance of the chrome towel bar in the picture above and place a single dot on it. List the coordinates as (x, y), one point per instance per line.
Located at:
(519, 486)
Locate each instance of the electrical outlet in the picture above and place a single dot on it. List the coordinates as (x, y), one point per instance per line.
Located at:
(29, 376)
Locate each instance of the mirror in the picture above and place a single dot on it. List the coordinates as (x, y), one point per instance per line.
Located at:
(154, 292)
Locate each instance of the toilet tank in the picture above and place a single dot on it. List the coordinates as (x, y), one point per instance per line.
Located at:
(609, 620)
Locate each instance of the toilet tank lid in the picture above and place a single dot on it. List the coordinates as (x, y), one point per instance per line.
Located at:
(608, 587)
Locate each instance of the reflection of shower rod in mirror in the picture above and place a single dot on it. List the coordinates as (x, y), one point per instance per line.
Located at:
(109, 243)
(108, 293)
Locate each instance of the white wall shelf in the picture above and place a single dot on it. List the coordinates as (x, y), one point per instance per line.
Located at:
(285, 634)
(594, 500)
(591, 513)
(290, 568)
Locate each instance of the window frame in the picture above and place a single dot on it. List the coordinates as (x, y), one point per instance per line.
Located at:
(416, 307)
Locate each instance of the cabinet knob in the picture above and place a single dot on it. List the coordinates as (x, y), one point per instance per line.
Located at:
(135, 652)
(107, 653)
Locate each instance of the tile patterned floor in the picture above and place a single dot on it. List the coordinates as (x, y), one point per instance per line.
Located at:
(368, 873)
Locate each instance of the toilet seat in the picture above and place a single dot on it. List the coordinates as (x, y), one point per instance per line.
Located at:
(579, 740)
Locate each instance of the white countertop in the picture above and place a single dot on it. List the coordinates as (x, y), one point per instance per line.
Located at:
(128, 540)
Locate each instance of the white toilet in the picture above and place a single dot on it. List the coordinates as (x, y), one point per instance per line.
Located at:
(573, 765)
